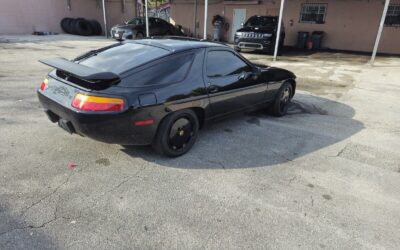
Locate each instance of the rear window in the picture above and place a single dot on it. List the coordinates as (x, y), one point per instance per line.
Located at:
(172, 69)
(124, 57)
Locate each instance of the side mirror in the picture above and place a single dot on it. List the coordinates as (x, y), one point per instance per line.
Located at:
(256, 73)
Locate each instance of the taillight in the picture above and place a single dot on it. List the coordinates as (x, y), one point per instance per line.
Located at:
(43, 86)
(97, 103)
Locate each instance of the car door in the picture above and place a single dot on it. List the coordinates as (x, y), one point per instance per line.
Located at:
(232, 83)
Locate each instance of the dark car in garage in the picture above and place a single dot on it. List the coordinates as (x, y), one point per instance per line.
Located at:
(259, 33)
(136, 28)
(158, 92)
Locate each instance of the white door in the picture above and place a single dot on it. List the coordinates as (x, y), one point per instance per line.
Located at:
(239, 17)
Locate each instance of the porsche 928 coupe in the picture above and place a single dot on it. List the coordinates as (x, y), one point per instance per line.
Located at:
(158, 92)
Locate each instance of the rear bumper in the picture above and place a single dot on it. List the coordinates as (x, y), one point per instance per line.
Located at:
(117, 128)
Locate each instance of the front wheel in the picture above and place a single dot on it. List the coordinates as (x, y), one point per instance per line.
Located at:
(282, 100)
(177, 133)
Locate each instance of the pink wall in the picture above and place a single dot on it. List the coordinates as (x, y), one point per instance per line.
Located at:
(26, 16)
(182, 13)
(349, 24)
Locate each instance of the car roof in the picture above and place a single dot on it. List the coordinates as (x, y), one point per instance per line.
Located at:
(263, 16)
(175, 45)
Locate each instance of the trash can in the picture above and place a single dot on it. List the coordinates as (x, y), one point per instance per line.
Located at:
(316, 38)
(302, 38)
(217, 30)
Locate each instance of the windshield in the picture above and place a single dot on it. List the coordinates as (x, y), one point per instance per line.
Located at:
(121, 58)
(135, 21)
(260, 21)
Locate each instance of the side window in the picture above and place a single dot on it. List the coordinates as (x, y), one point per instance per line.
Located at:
(157, 22)
(164, 72)
(151, 22)
(163, 23)
(224, 63)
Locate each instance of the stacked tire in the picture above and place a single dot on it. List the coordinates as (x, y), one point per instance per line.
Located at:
(81, 26)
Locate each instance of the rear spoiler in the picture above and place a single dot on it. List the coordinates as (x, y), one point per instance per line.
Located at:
(82, 72)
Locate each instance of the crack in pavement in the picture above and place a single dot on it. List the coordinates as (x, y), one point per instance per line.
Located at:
(96, 200)
(342, 150)
(30, 226)
(46, 196)
(125, 180)
(55, 215)
(292, 179)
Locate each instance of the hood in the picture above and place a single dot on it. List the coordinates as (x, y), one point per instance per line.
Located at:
(125, 26)
(259, 29)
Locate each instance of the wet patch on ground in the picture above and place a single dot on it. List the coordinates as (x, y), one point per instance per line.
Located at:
(254, 120)
(103, 161)
(66, 47)
(327, 197)
(6, 121)
(365, 154)
(326, 86)
(297, 107)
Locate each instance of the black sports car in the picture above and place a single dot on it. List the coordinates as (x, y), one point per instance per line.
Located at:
(158, 91)
(136, 28)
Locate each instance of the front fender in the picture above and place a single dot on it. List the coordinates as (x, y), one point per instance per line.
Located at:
(273, 74)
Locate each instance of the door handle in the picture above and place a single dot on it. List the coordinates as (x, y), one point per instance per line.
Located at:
(212, 88)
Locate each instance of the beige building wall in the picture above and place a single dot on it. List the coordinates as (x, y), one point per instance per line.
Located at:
(27, 16)
(349, 24)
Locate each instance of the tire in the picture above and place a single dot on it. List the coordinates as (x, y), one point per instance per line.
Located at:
(139, 35)
(96, 27)
(177, 133)
(65, 24)
(69, 25)
(83, 27)
(282, 100)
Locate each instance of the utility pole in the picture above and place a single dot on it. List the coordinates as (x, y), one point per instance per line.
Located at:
(378, 36)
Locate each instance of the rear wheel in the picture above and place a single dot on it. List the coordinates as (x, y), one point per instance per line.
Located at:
(282, 100)
(177, 133)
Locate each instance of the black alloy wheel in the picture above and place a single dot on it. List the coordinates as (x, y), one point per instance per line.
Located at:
(177, 133)
(282, 100)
